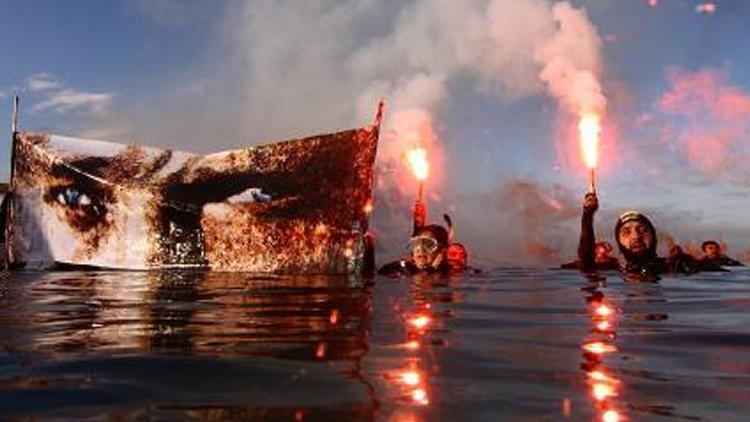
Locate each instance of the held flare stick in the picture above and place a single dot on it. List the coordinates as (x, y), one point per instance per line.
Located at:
(589, 129)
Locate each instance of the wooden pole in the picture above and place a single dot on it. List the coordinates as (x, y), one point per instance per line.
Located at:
(14, 123)
(8, 234)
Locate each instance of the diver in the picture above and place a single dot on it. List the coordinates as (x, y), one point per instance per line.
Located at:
(636, 238)
(603, 258)
(456, 253)
(712, 256)
(680, 261)
(427, 248)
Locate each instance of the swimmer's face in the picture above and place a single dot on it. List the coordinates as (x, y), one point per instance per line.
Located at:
(636, 237)
(711, 251)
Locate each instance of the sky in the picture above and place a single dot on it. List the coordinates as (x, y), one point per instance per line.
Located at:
(493, 87)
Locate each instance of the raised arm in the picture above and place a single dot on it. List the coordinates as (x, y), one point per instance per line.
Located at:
(587, 241)
(419, 214)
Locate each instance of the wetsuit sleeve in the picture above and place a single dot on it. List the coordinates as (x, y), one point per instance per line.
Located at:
(393, 268)
(587, 242)
(571, 265)
(730, 262)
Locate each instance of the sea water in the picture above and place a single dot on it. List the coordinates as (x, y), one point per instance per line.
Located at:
(507, 344)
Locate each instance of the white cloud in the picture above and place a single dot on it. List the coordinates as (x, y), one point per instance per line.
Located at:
(331, 55)
(68, 99)
(42, 82)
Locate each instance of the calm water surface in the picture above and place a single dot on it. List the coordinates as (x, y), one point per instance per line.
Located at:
(512, 343)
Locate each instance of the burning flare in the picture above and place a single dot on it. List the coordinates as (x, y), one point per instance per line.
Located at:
(589, 128)
(418, 161)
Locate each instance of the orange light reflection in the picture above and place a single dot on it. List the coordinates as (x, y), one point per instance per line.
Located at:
(421, 321)
(603, 326)
(334, 318)
(602, 391)
(611, 416)
(410, 378)
(603, 310)
(599, 348)
(419, 396)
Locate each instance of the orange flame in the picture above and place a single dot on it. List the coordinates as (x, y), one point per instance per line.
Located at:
(417, 158)
(589, 128)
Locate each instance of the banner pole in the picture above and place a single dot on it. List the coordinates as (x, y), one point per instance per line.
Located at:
(379, 115)
(14, 123)
(7, 200)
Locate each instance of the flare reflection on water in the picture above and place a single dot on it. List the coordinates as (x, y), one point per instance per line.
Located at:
(519, 344)
(604, 384)
(130, 319)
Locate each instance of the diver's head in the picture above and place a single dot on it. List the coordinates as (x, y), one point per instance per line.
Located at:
(636, 236)
(603, 251)
(428, 246)
(711, 249)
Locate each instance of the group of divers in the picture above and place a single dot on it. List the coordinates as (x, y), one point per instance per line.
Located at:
(433, 249)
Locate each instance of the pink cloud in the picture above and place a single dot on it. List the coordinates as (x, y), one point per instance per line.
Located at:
(713, 120)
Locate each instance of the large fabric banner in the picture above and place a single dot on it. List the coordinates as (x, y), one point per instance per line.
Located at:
(298, 206)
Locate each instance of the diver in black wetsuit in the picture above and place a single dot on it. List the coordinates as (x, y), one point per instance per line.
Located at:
(456, 254)
(428, 253)
(712, 256)
(636, 239)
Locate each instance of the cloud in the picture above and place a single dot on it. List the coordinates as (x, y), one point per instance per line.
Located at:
(42, 82)
(66, 100)
(704, 117)
(59, 98)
